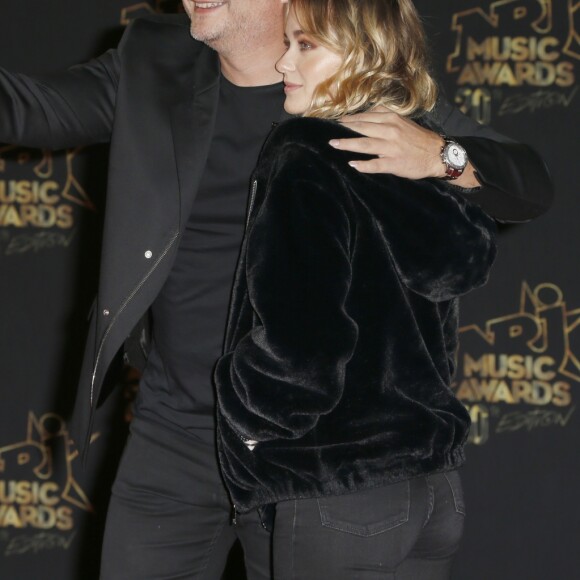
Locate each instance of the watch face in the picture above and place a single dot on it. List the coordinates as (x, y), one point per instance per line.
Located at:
(455, 155)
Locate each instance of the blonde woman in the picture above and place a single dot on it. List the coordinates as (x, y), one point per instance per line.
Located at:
(334, 399)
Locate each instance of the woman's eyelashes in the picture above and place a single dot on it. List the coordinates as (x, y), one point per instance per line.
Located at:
(305, 44)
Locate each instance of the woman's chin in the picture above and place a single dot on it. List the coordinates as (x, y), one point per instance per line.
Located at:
(292, 109)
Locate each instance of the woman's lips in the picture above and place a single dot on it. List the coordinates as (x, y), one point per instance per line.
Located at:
(290, 87)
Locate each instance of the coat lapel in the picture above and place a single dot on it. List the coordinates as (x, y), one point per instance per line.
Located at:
(192, 122)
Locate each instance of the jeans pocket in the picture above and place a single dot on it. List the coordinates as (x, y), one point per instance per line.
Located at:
(454, 482)
(369, 512)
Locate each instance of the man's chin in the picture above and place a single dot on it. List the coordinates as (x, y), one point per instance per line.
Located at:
(206, 36)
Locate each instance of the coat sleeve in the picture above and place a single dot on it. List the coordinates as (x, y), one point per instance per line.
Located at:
(440, 245)
(516, 184)
(67, 109)
(289, 369)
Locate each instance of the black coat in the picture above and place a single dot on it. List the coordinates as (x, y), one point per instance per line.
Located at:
(154, 99)
(342, 328)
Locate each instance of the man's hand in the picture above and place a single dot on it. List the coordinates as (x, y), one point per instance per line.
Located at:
(402, 147)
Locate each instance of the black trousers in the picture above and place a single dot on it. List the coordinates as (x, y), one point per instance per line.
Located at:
(170, 518)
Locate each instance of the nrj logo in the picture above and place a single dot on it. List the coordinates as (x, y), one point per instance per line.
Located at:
(517, 372)
(37, 190)
(38, 194)
(515, 44)
(37, 486)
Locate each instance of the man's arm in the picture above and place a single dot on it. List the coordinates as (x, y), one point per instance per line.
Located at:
(508, 180)
(71, 108)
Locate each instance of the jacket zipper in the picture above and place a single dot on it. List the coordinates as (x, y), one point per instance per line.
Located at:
(253, 190)
(255, 181)
(252, 198)
(123, 306)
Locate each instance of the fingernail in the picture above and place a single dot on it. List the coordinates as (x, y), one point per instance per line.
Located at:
(334, 142)
(353, 164)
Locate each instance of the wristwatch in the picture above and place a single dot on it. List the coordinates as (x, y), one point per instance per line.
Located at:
(454, 157)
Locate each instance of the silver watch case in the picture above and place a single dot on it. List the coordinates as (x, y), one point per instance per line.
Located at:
(454, 155)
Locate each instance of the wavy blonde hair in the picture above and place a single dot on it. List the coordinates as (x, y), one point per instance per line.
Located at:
(385, 56)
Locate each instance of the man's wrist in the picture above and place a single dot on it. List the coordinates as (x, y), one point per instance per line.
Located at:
(468, 182)
(453, 158)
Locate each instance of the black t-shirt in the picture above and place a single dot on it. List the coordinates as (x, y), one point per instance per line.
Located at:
(189, 315)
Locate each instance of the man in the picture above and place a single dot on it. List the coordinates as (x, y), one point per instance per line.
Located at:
(186, 119)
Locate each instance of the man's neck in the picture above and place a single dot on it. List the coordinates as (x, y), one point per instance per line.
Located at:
(253, 68)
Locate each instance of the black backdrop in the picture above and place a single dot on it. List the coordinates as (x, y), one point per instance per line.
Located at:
(513, 63)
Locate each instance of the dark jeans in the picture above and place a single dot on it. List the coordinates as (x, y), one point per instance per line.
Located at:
(404, 531)
(170, 518)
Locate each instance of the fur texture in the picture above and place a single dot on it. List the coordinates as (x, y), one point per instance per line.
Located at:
(343, 325)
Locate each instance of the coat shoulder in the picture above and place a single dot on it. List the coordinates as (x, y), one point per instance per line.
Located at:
(305, 140)
(162, 38)
(309, 132)
(161, 30)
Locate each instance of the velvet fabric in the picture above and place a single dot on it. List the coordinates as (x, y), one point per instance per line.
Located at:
(343, 325)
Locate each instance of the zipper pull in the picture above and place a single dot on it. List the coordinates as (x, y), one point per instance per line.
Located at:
(234, 516)
(249, 443)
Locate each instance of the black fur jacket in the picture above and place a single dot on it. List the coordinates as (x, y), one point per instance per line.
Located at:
(343, 325)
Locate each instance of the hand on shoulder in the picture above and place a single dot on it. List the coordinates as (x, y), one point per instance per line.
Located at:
(402, 147)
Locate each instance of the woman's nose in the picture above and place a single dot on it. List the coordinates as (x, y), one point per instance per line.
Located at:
(284, 64)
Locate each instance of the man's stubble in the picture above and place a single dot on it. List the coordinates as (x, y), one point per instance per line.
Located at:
(244, 30)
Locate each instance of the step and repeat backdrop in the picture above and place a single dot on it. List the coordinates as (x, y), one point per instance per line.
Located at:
(516, 64)
(513, 64)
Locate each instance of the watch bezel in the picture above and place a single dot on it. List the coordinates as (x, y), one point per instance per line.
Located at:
(447, 160)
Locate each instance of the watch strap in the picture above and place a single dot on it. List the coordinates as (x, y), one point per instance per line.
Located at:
(451, 172)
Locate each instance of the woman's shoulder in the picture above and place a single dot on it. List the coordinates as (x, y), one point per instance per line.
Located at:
(309, 132)
(305, 140)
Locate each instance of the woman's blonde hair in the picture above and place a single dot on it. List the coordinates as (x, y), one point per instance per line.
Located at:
(385, 56)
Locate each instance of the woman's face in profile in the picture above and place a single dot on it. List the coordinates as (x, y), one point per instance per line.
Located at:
(305, 64)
